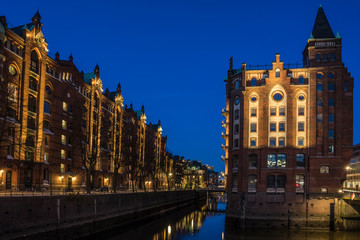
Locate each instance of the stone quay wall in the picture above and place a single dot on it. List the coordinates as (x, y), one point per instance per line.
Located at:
(74, 216)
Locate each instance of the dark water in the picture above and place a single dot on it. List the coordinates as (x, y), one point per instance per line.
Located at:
(207, 221)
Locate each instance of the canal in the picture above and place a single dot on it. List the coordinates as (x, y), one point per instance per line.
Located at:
(206, 220)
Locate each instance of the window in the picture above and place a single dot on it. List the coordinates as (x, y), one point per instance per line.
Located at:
(46, 140)
(301, 97)
(47, 107)
(12, 92)
(300, 182)
(277, 97)
(237, 84)
(235, 162)
(301, 80)
(236, 128)
(331, 148)
(272, 142)
(281, 126)
(324, 169)
(319, 87)
(276, 183)
(331, 133)
(332, 57)
(237, 101)
(281, 142)
(63, 124)
(237, 114)
(277, 73)
(63, 139)
(62, 154)
(330, 75)
(252, 183)
(69, 141)
(301, 126)
(319, 118)
(11, 132)
(31, 123)
(253, 82)
(253, 127)
(319, 76)
(271, 160)
(48, 89)
(300, 141)
(32, 104)
(46, 174)
(331, 117)
(69, 154)
(272, 127)
(34, 63)
(319, 102)
(253, 142)
(62, 168)
(324, 190)
(33, 84)
(64, 106)
(46, 157)
(301, 111)
(331, 86)
(281, 111)
(346, 86)
(70, 108)
(252, 161)
(325, 57)
(253, 98)
(47, 125)
(12, 70)
(10, 151)
(235, 182)
(331, 102)
(300, 160)
(318, 58)
(236, 143)
(273, 111)
(253, 112)
(276, 161)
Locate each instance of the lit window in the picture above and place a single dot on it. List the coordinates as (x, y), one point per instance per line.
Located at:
(253, 112)
(12, 92)
(281, 126)
(252, 161)
(12, 70)
(64, 106)
(63, 139)
(46, 107)
(62, 154)
(324, 190)
(253, 142)
(301, 111)
(319, 118)
(319, 86)
(281, 111)
(331, 102)
(331, 148)
(237, 114)
(271, 160)
(300, 160)
(277, 73)
(46, 157)
(281, 142)
(276, 161)
(301, 126)
(252, 183)
(331, 117)
(300, 141)
(273, 111)
(62, 168)
(331, 133)
(253, 82)
(272, 127)
(272, 142)
(300, 182)
(253, 127)
(324, 169)
(63, 124)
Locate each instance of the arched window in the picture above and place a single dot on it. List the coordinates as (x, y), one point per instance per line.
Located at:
(252, 183)
(253, 161)
(253, 82)
(301, 80)
(33, 84)
(32, 104)
(324, 169)
(237, 84)
(34, 64)
(318, 57)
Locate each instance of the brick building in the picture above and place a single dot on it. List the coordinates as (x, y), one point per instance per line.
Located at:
(289, 130)
(58, 127)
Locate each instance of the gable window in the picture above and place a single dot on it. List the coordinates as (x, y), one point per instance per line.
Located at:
(273, 111)
(301, 111)
(236, 129)
(253, 82)
(237, 101)
(253, 127)
(277, 73)
(346, 86)
(301, 80)
(300, 160)
(252, 161)
(236, 143)
(237, 84)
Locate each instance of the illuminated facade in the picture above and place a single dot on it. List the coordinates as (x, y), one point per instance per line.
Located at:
(59, 128)
(288, 129)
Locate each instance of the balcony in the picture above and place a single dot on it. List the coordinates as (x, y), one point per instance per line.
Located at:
(224, 135)
(224, 124)
(224, 112)
(224, 147)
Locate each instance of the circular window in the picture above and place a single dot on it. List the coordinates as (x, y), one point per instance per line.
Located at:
(301, 97)
(237, 101)
(12, 70)
(331, 75)
(277, 96)
(319, 76)
(253, 98)
(48, 89)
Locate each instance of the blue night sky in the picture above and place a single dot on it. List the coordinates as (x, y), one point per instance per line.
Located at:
(172, 56)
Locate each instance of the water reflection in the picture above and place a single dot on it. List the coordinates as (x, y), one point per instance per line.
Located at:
(207, 221)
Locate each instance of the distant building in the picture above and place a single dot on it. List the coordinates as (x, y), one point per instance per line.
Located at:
(289, 129)
(353, 171)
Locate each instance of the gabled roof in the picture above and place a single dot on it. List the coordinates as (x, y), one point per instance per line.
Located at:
(88, 77)
(112, 96)
(154, 127)
(19, 29)
(322, 27)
